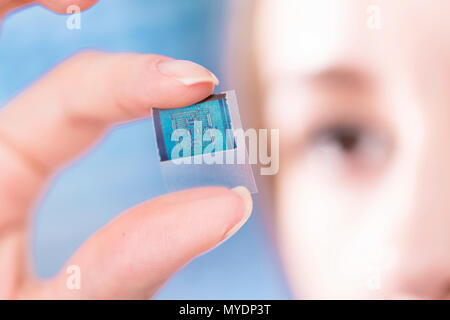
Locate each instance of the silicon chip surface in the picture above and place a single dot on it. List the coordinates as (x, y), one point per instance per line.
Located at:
(212, 113)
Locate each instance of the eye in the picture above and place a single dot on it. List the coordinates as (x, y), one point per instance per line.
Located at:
(344, 138)
(348, 146)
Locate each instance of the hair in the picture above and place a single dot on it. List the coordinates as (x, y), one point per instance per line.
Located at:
(242, 70)
(242, 63)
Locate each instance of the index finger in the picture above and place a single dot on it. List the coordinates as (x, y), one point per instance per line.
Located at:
(73, 105)
(59, 6)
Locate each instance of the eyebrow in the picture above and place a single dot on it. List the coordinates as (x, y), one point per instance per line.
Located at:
(339, 76)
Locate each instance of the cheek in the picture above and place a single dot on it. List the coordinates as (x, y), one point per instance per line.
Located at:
(333, 234)
(313, 221)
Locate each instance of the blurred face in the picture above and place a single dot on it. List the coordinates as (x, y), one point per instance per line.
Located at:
(361, 95)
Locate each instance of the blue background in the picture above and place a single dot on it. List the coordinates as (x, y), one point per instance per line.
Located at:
(123, 169)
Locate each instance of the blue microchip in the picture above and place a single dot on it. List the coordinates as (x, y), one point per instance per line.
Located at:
(212, 113)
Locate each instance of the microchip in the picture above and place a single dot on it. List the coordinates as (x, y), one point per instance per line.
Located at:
(211, 113)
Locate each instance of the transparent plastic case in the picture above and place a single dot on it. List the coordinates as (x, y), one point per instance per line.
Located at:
(212, 157)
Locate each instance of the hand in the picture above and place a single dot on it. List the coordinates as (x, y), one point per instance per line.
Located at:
(57, 119)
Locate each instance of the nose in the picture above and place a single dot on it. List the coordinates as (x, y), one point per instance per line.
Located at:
(421, 266)
(420, 271)
(420, 234)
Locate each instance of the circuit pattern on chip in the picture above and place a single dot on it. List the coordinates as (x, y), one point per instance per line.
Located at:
(212, 113)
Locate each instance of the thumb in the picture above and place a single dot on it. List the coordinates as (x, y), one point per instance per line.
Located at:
(136, 254)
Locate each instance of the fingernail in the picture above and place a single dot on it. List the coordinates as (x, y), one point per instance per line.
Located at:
(247, 198)
(187, 72)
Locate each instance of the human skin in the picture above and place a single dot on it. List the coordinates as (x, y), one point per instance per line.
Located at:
(58, 119)
(364, 117)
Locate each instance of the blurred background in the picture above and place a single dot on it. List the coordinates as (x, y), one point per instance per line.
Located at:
(123, 169)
